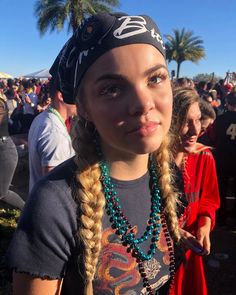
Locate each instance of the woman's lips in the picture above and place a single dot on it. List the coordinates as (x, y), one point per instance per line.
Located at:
(145, 129)
(190, 141)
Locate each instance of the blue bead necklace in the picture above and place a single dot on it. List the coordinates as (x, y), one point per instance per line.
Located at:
(120, 222)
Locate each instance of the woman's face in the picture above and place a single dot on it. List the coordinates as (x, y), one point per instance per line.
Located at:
(128, 98)
(191, 129)
(205, 123)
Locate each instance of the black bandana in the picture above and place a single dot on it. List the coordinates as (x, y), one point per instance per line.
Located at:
(94, 37)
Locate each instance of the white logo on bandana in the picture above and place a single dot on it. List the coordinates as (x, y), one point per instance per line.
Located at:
(135, 25)
(131, 26)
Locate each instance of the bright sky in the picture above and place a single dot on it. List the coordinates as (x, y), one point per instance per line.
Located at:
(23, 50)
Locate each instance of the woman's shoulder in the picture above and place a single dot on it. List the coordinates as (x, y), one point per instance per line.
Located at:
(51, 198)
(47, 226)
(202, 149)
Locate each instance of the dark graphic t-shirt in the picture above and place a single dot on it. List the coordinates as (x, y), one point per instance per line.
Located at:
(44, 243)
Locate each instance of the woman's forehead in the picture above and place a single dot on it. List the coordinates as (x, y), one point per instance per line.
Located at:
(140, 57)
(194, 109)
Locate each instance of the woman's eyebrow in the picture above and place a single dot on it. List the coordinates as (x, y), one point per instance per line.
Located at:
(110, 76)
(155, 68)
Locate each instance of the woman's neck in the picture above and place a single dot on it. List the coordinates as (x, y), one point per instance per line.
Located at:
(179, 158)
(129, 169)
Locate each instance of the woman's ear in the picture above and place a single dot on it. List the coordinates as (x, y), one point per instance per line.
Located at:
(58, 96)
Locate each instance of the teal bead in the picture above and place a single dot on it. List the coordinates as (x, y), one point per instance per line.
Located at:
(156, 232)
(152, 246)
(155, 239)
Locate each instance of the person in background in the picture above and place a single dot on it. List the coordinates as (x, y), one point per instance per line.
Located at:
(221, 93)
(8, 157)
(181, 82)
(29, 107)
(191, 83)
(104, 221)
(45, 102)
(197, 166)
(49, 142)
(202, 88)
(208, 117)
(222, 137)
(208, 114)
(12, 98)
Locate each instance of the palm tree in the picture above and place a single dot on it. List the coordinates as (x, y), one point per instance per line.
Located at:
(53, 14)
(184, 46)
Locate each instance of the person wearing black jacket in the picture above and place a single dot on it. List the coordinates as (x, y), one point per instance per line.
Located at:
(223, 138)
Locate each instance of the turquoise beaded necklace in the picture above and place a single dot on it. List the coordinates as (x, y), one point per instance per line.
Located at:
(120, 222)
(124, 229)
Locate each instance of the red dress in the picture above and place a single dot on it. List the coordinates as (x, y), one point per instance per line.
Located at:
(201, 189)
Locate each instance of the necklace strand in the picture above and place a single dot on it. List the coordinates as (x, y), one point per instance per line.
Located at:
(124, 229)
(120, 222)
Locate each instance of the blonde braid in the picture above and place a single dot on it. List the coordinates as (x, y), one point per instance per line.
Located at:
(165, 182)
(91, 201)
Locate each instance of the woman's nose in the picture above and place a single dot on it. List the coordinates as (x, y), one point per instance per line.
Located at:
(195, 128)
(141, 102)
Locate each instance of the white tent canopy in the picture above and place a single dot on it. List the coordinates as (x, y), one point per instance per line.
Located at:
(42, 74)
(5, 76)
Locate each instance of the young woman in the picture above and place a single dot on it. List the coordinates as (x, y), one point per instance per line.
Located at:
(201, 191)
(104, 221)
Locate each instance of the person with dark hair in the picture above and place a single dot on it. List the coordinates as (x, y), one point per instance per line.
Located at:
(197, 166)
(45, 102)
(222, 136)
(11, 94)
(8, 157)
(49, 141)
(208, 117)
(209, 86)
(208, 114)
(221, 92)
(181, 82)
(30, 102)
(202, 88)
(105, 222)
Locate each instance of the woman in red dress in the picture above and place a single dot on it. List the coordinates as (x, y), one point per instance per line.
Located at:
(197, 166)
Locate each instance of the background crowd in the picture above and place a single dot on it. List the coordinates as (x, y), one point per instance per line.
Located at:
(27, 98)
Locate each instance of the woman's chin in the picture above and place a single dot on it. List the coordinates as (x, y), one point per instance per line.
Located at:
(190, 148)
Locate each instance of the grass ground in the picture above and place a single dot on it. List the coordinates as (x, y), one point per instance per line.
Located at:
(8, 221)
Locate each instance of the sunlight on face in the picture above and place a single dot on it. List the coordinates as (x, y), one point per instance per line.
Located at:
(191, 128)
(129, 99)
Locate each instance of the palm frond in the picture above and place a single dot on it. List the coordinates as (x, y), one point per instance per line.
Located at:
(182, 46)
(53, 14)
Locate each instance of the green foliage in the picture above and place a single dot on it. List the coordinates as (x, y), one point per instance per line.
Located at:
(52, 15)
(184, 46)
(8, 222)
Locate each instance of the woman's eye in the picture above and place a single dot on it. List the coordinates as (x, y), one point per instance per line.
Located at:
(112, 91)
(156, 79)
(198, 120)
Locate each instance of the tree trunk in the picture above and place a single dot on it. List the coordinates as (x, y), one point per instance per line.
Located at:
(178, 69)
